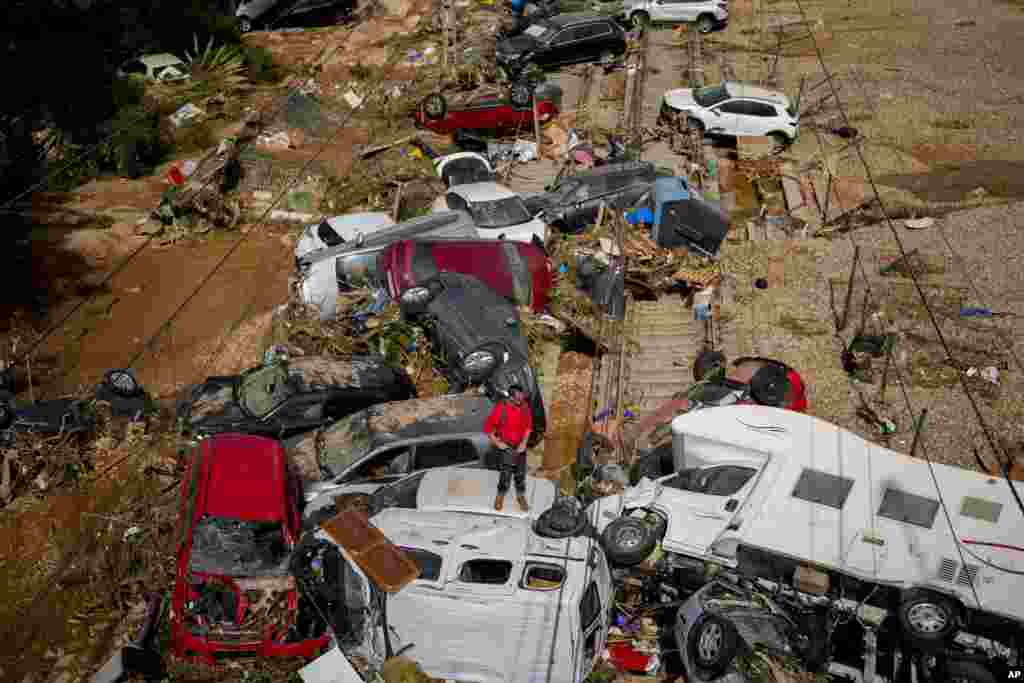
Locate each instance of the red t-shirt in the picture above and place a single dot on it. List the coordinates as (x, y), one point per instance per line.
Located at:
(509, 422)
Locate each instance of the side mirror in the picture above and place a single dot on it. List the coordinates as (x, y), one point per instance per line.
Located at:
(360, 239)
(716, 112)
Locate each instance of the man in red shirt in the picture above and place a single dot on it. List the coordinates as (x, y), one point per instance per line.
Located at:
(508, 427)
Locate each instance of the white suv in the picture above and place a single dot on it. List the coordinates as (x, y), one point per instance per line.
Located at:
(707, 14)
(733, 108)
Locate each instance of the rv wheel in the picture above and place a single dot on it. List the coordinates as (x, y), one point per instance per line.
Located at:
(713, 645)
(628, 540)
(927, 620)
(968, 672)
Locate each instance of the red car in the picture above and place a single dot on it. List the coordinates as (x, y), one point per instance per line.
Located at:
(239, 521)
(518, 271)
(483, 112)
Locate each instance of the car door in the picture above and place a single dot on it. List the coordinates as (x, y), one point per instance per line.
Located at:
(760, 119)
(701, 503)
(560, 49)
(725, 118)
(670, 10)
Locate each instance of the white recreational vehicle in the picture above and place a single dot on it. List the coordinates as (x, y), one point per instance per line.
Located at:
(773, 493)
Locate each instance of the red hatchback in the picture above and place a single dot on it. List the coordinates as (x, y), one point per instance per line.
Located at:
(482, 112)
(518, 271)
(239, 521)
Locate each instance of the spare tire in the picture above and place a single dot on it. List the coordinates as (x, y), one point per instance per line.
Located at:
(122, 382)
(769, 386)
(434, 106)
(707, 361)
(521, 94)
(627, 541)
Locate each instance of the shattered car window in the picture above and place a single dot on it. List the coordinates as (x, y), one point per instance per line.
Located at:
(343, 442)
(234, 547)
(499, 214)
(264, 389)
(401, 494)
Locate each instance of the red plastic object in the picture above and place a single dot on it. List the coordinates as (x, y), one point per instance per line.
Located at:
(175, 176)
(625, 658)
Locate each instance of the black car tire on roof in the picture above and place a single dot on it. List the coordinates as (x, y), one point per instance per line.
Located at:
(564, 519)
(521, 95)
(769, 386)
(628, 541)
(713, 643)
(927, 620)
(434, 106)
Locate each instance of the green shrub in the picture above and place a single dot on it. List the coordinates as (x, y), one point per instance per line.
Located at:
(259, 64)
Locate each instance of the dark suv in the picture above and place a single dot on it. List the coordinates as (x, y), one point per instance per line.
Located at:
(573, 202)
(562, 39)
(480, 335)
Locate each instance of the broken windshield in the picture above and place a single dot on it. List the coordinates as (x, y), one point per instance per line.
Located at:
(343, 442)
(235, 547)
(500, 213)
(401, 494)
(710, 96)
(264, 389)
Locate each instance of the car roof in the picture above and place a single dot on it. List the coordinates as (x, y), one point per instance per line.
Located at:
(562, 20)
(483, 192)
(162, 59)
(245, 477)
(461, 489)
(747, 90)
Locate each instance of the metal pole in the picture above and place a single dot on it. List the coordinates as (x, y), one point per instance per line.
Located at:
(849, 290)
(917, 431)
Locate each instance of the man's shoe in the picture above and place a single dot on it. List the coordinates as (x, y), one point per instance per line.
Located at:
(499, 501)
(522, 503)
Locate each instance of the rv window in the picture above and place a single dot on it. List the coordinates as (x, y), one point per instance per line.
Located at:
(428, 562)
(543, 576)
(823, 488)
(979, 508)
(486, 571)
(590, 607)
(906, 507)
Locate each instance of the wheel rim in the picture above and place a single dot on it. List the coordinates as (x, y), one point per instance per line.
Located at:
(709, 644)
(433, 107)
(927, 617)
(123, 382)
(629, 538)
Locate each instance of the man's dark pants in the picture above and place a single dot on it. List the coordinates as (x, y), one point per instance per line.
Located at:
(512, 465)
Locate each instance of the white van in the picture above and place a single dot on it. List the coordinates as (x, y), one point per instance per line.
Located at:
(775, 493)
(494, 600)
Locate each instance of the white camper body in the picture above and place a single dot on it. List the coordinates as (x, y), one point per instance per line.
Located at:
(797, 487)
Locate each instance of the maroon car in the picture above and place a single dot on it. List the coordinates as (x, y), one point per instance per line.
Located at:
(239, 522)
(488, 110)
(519, 271)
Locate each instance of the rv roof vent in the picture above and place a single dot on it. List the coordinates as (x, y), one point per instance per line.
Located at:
(947, 569)
(968, 575)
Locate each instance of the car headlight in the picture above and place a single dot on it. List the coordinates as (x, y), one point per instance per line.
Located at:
(415, 296)
(478, 362)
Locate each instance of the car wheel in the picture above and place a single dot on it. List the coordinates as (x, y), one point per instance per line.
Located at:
(640, 20)
(695, 124)
(521, 94)
(561, 520)
(705, 23)
(706, 362)
(713, 645)
(959, 671)
(245, 24)
(769, 386)
(434, 106)
(627, 541)
(928, 620)
(122, 383)
(779, 142)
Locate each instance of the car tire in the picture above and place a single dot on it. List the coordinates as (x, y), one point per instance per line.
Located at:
(769, 386)
(961, 671)
(705, 23)
(927, 620)
(521, 95)
(122, 382)
(706, 362)
(245, 24)
(696, 124)
(561, 520)
(434, 107)
(640, 20)
(713, 644)
(627, 541)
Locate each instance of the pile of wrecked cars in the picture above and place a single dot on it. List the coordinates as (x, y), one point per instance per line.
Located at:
(330, 511)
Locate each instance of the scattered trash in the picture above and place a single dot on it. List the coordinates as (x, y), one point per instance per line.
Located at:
(139, 657)
(919, 223)
(278, 140)
(186, 115)
(857, 356)
(702, 303)
(611, 473)
(131, 534)
(355, 101)
(991, 373)
(519, 151)
(291, 216)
